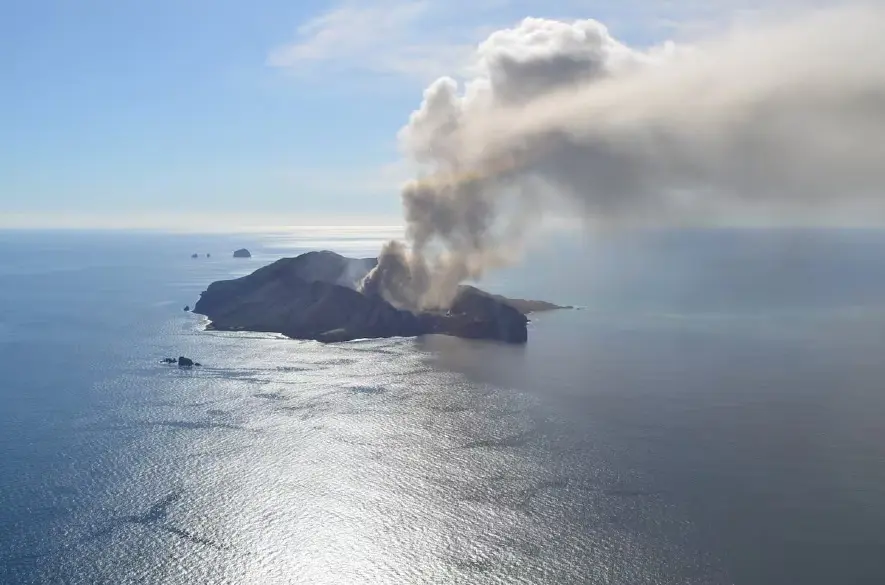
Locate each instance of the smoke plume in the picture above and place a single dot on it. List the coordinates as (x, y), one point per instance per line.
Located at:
(783, 117)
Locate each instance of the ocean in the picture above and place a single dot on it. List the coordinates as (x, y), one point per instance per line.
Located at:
(713, 413)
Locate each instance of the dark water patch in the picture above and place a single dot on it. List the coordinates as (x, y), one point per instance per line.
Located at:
(511, 492)
(366, 389)
(504, 413)
(449, 408)
(408, 374)
(270, 380)
(301, 407)
(481, 566)
(556, 482)
(154, 517)
(184, 371)
(270, 396)
(260, 375)
(525, 548)
(308, 410)
(255, 379)
(512, 441)
(217, 412)
(336, 362)
(173, 424)
(536, 489)
(191, 537)
(157, 511)
(192, 425)
(375, 350)
(173, 404)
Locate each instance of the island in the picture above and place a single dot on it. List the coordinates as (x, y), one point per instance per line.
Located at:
(242, 253)
(316, 296)
(182, 362)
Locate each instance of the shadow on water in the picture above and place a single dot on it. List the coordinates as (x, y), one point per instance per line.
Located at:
(488, 366)
(367, 389)
(307, 410)
(476, 359)
(515, 440)
(450, 409)
(169, 424)
(190, 425)
(270, 396)
(516, 493)
(155, 517)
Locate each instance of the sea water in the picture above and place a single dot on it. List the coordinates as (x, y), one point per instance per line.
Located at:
(713, 414)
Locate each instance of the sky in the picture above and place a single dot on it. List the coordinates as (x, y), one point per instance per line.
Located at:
(223, 114)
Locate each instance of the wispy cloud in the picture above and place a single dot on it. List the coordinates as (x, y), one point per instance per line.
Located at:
(349, 30)
(388, 37)
(424, 39)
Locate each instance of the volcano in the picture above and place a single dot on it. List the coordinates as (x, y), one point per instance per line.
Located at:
(315, 296)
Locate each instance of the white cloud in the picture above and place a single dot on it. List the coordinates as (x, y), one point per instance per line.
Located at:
(423, 39)
(394, 36)
(348, 30)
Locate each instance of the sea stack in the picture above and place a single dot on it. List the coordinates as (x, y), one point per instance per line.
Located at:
(242, 253)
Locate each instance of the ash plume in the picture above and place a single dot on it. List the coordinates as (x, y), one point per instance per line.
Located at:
(782, 118)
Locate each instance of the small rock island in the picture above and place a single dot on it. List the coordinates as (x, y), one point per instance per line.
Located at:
(242, 253)
(315, 296)
(182, 362)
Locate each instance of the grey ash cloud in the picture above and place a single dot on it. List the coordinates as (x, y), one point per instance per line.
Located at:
(783, 118)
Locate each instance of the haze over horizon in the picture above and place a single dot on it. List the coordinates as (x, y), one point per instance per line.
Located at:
(227, 117)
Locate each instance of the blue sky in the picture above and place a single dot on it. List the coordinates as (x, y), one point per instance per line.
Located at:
(123, 113)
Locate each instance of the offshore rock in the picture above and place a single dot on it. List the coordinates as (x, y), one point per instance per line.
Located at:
(182, 361)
